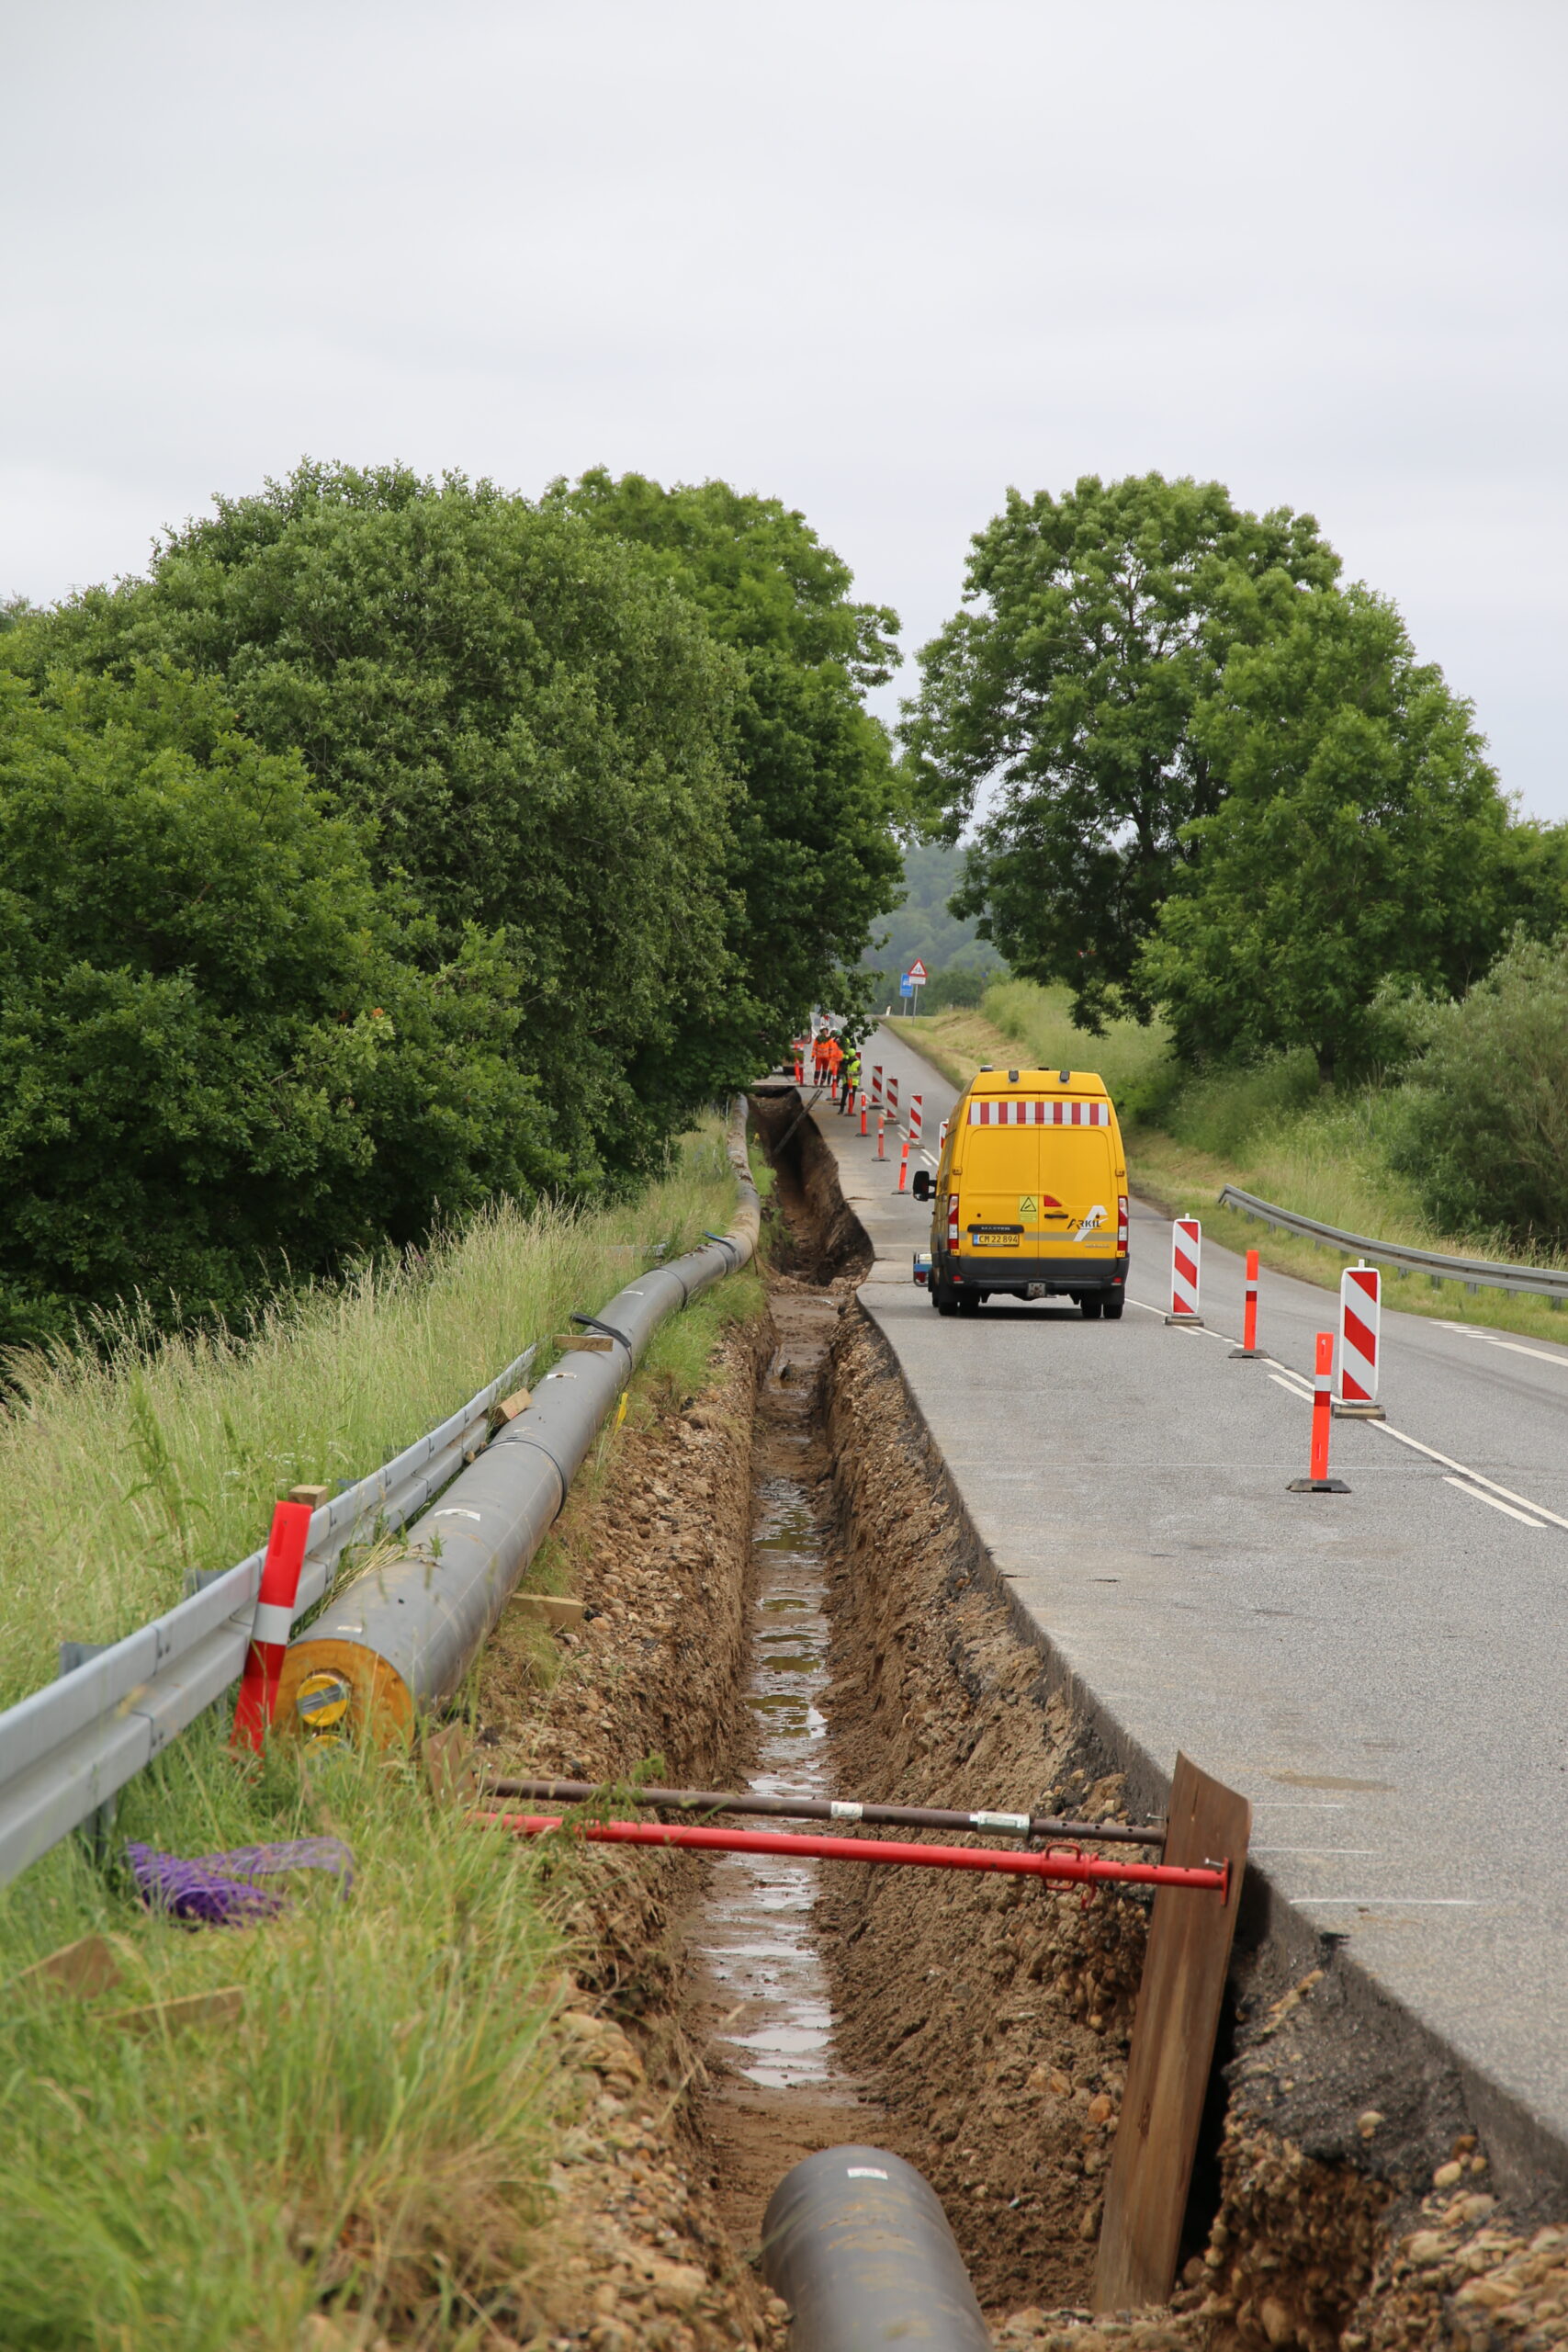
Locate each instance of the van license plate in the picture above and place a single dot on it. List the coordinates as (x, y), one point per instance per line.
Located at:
(985, 1237)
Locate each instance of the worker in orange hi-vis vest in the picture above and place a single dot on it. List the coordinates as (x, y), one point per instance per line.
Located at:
(835, 1060)
(820, 1057)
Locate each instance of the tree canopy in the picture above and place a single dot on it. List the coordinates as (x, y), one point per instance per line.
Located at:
(813, 859)
(221, 1064)
(1359, 838)
(1059, 708)
(536, 733)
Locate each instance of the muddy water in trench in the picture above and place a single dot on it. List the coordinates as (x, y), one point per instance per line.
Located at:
(776, 2089)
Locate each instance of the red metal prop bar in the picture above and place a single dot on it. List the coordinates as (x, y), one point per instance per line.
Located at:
(1072, 1868)
(869, 1815)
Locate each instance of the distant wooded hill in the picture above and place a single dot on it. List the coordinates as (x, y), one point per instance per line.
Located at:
(923, 927)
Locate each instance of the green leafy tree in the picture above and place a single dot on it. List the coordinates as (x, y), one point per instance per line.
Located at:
(1483, 1113)
(536, 732)
(220, 1066)
(1060, 706)
(814, 860)
(1362, 840)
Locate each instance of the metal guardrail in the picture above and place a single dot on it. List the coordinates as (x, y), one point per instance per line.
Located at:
(66, 1750)
(1475, 1273)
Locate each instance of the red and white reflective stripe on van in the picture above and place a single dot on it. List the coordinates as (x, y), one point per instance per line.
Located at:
(1121, 1223)
(1015, 1110)
(952, 1220)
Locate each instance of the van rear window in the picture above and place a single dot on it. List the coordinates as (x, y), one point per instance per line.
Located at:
(1016, 1111)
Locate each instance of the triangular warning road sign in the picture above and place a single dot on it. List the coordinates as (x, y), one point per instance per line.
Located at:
(917, 971)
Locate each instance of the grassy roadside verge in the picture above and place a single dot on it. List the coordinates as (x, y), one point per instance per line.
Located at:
(364, 2156)
(1321, 1156)
(122, 1474)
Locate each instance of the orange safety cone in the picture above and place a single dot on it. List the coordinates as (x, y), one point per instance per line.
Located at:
(1319, 1482)
(904, 1167)
(271, 1626)
(1250, 1346)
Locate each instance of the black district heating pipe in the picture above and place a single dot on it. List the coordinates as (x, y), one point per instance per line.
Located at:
(856, 2242)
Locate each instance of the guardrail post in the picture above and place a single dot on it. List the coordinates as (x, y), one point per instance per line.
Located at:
(95, 1829)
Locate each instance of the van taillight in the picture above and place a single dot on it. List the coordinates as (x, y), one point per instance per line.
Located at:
(1121, 1223)
(952, 1220)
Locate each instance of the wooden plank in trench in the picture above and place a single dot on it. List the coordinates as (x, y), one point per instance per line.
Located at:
(1173, 2048)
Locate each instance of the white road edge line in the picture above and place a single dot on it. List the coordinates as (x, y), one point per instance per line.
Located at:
(1388, 1902)
(1477, 1495)
(1289, 1385)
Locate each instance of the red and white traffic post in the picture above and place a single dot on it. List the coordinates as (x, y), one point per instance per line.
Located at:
(1318, 1481)
(893, 1099)
(1360, 1332)
(876, 1085)
(1250, 1346)
(1186, 1261)
(272, 1624)
(915, 1117)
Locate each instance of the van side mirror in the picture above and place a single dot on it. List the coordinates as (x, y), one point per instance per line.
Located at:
(922, 1186)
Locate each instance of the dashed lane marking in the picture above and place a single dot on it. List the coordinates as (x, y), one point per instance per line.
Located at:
(1481, 1497)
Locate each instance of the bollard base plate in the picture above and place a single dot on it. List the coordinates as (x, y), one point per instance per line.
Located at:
(1317, 1487)
(1354, 1412)
(1247, 1355)
(1192, 1322)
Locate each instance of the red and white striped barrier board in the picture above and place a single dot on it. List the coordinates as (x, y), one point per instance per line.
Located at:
(916, 1113)
(1360, 1326)
(271, 1626)
(942, 1135)
(1186, 1262)
(1018, 1111)
(876, 1085)
(893, 1097)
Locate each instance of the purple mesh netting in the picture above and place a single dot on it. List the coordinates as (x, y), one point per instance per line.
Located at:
(214, 1890)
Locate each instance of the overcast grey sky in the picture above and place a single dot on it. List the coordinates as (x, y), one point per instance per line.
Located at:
(881, 258)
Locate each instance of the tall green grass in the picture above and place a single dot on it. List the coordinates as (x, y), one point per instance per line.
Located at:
(1136, 1062)
(123, 1472)
(367, 2151)
(371, 2138)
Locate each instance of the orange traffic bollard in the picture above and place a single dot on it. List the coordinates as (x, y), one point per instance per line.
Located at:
(881, 1137)
(863, 1127)
(1319, 1482)
(904, 1167)
(1250, 1346)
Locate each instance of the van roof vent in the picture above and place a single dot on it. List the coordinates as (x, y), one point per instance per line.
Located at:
(1063, 1076)
(1012, 1078)
(986, 1067)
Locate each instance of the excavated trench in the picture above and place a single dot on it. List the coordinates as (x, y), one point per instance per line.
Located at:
(783, 1587)
(980, 2027)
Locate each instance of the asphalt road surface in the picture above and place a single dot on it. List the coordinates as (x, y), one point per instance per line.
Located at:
(1382, 1673)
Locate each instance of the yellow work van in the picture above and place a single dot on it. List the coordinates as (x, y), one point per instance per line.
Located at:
(1031, 1194)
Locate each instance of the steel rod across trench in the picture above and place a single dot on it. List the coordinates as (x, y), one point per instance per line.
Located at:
(876, 1817)
(1071, 1868)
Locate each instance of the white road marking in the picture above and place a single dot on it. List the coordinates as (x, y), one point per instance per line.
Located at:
(1289, 1385)
(1466, 1488)
(1363, 1853)
(1389, 1902)
(1387, 1429)
(1515, 1347)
